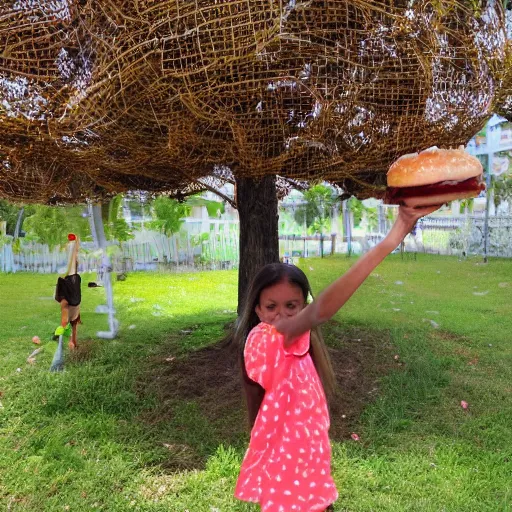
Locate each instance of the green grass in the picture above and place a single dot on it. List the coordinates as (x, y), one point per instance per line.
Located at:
(78, 440)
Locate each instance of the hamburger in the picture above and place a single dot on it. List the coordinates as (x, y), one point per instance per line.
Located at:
(434, 176)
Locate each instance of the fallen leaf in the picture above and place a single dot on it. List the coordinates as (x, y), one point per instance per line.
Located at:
(435, 325)
(36, 351)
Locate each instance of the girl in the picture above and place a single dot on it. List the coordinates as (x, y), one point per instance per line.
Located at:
(288, 377)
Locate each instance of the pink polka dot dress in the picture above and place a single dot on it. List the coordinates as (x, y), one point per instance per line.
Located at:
(287, 467)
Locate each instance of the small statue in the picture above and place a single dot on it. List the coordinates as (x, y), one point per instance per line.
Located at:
(68, 294)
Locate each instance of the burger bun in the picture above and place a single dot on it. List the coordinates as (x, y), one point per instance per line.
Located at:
(433, 165)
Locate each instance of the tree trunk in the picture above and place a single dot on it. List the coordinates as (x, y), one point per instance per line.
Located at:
(259, 241)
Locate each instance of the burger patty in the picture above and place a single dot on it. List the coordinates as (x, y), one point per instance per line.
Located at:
(396, 195)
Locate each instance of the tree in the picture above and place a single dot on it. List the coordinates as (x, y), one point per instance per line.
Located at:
(259, 240)
(359, 210)
(356, 207)
(14, 215)
(8, 213)
(51, 225)
(115, 226)
(213, 207)
(169, 215)
(467, 205)
(246, 96)
(502, 190)
(315, 212)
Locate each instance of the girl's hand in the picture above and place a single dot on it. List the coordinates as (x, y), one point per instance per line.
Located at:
(411, 215)
(285, 327)
(407, 217)
(291, 327)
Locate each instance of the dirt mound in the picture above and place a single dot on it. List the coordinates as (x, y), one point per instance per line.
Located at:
(210, 377)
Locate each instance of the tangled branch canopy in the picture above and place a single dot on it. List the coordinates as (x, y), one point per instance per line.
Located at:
(104, 96)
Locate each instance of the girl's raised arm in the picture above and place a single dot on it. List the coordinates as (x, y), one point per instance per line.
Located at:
(336, 294)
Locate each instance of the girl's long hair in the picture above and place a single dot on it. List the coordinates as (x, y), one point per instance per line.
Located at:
(268, 276)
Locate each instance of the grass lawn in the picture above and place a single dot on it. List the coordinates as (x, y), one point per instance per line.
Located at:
(153, 421)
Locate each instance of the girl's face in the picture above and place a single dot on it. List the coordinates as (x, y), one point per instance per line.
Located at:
(281, 300)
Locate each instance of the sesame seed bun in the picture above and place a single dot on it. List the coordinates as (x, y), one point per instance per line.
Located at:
(433, 166)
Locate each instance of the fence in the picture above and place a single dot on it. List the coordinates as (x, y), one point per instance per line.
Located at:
(32, 257)
(292, 246)
(150, 251)
(210, 251)
(458, 235)
(465, 235)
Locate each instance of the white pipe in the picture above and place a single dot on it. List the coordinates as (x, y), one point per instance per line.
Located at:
(100, 240)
